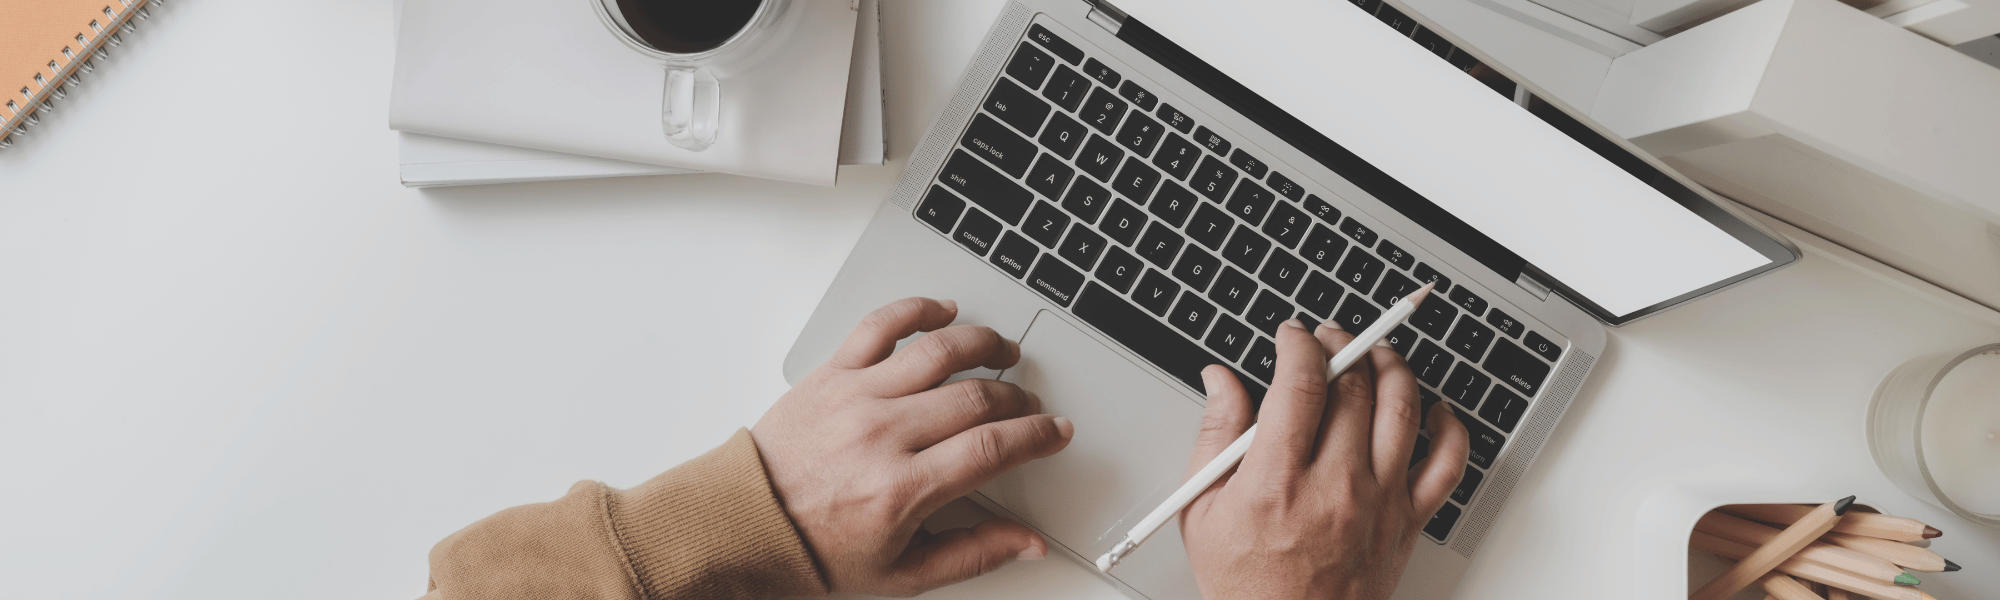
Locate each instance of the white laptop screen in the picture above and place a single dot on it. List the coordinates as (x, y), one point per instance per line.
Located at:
(1441, 139)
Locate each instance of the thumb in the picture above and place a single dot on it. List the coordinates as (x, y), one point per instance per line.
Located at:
(960, 554)
(1228, 415)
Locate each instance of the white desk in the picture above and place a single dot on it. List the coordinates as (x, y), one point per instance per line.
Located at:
(237, 360)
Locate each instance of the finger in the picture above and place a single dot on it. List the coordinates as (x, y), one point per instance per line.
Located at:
(960, 554)
(1344, 434)
(1397, 414)
(1228, 415)
(929, 360)
(936, 415)
(875, 338)
(1288, 421)
(957, 466)
(1438, 474)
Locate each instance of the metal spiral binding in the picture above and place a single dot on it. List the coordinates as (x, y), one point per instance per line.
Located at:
(109, 30)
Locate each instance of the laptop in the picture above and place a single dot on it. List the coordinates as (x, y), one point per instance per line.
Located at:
(1135, 192)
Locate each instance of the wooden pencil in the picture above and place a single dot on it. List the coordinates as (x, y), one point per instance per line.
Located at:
(1765, 557)
(1809, 571)
(1785, 588)
(1899, 529)
(1908, 556)
(1834, 593)
(1750, 532)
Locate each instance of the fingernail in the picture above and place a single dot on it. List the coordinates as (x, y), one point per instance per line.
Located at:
(1295, 324)
(1384, 342)
(1066, 428)
(1331, 325)
(949, 305)
(1033, 553)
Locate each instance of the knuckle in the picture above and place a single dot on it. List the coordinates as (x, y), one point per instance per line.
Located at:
(987, 451)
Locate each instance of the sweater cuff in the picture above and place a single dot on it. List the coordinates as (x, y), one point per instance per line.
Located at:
(713, 528)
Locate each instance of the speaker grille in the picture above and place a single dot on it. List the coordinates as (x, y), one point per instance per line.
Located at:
(1527, 444)
(944, 132)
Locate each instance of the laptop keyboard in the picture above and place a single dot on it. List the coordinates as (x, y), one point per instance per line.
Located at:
(1155, 229)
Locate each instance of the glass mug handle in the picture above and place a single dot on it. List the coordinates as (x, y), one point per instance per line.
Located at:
(691, 109)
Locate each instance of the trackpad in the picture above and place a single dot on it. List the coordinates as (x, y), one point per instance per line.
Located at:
(1133, 436)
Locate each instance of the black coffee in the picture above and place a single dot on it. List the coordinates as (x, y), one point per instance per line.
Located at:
(687, 26)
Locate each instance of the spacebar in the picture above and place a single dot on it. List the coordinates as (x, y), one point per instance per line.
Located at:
(1149, 338)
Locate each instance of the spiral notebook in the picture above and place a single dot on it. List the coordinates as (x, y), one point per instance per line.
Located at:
(47, 46)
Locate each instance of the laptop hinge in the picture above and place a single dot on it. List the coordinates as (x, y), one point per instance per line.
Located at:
(1105, 15)
(1528, 282)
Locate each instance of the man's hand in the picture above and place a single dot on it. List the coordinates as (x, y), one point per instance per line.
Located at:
(1325, 504)
(869, 444)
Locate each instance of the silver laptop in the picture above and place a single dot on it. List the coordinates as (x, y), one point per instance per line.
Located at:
(1134, 196)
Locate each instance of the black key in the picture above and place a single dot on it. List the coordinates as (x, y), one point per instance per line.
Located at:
(1177, 156)
(1014, 254)
(1016, 106)
(1119, 270)
(1049, 176)
(1067, 88)
(1160, 245)
(1471, 302)
(1056, 45)
(1191, 315)
(1439, 527)
(1323, 247)
(1212, 179)
(1055, 280)
(1030, 65)
(1140, 133)
(1402, 339)
(1214, 143)
(1122, 222)
(1285, 187)
(1429, 363)
(1156, 292)
(1486, 442)
(1233, 290)
(1229, 338)
(1150, 339)
(1102, 110)
(1287, 225)
(1311, 322)
(1467, 484)
(1262, 361)
(1402, 23)
(1268, 312)
(1356, 314)
(1469, 339)
(1319, 295)
(1175, 119)
(977, 232)
(1249, 164)
(1081, 246)
(1434, 316)
(1465, 385)
(1505, 323)
(1086, 200)
(1197, 269)
(1394, 287)
(1045, 224)
(1139, 96)
(1360, 233)
(1135, 180)
(1541, 345)
(1395, 255)
(1250, 202)
(1516, 369)
(1103, 74)
(1062, 135)
(1282, 272)
(1173, 203)
(1359, 270)
(1210, 226)
(986, 187)
(995, 143)
(1246, 248)
(1420, 449)
(1426, 274)
(1503, 409)
(1367, 6)
(1433, 42)
(1099, 158)
(940, 209)
(1322, 210)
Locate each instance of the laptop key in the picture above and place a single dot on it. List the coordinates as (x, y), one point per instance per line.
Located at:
(1402, 339)
(1062, 135)
(1160, 245)
(1503, 408)
(1233, 290)
(1081, 246)
(1505, 323)
(1013, 254)
(1139, 96)
(1356, 314)
(1250, 202)
(1471, 302)
(1191, 315)
(1197, 269)
(1122, 222)
(1055, 280)
(1282, 272)
(1323, 247)
(1228, 338)
(1486, 442)
(1172, 204)
(1429, 363)
(1541, 345)
(1359, 270)
(1135, 180)
(1045, 224)
(1017, 107)
(1402, 23)
(1469, 338)
(1434, 316)
(1103, 74)
(1322, 210)
(1439, 527)
(1156, 292)
(1467, 484)
(1262, 360)
(1516, 369)
(1119, 270)
(1287, 225)
(1102, 111)
(1285, 187)
(1319, 295)
(1066, 88)
(1214, 143)
(1099, 158)
(1150, 339)
(1433, 42)
(1140, 134)
(1256, 169)
(1086, 200)
(1425, 274)
(1210, 226)
(1056, 45)
(1175, 118)
(1393, 288)
(1420, 449)
(1049, 176)
(1367, 6)
(1246, 248)
(940, 209)
(1269, 311)
(1465, 385)
(998, 145)
(1177, 156)
(1030, 65)
(1389, 251)
(1360, 233)
(1212, 179)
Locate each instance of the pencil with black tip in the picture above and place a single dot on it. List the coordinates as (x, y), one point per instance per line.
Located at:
(1767, 556)
(1750, 532)
(1810, 571)
(1899, 529)
(1904, 555)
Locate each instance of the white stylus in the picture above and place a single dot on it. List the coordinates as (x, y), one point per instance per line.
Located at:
(1346, 357)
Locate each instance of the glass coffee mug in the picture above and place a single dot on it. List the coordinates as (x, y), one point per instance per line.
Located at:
(699, 42)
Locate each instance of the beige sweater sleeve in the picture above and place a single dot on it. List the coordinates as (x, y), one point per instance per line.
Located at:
(710, 528)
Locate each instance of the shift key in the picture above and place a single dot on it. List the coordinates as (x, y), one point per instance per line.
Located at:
(986, 187)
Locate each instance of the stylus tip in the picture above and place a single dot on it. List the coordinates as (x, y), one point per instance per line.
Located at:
(1417, 297)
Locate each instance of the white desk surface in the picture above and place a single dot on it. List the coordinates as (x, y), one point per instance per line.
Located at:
(238, 360)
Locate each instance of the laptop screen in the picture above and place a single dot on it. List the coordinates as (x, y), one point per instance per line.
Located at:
(1505, 177)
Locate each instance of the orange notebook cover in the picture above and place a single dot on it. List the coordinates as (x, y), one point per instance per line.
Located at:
(45, 47)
